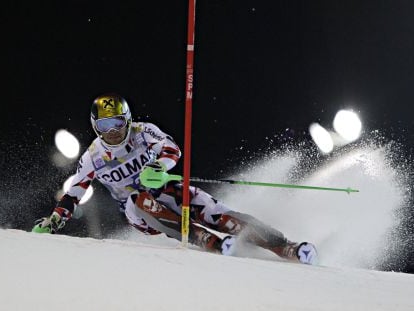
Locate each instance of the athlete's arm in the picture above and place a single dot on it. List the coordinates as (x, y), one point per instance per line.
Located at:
(84, 176)
(168, 152)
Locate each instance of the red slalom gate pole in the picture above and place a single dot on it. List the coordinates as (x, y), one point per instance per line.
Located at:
(185, 218)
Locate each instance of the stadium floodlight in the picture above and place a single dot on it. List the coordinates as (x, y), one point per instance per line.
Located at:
(67, 144)
(321, 137)
(348, 125)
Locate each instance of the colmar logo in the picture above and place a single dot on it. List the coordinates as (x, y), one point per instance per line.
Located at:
(126, 170)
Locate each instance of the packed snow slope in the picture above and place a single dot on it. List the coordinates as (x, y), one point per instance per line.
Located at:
(355, 234)
(56, 272)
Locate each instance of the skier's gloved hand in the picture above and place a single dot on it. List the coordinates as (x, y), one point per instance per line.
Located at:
(153, 175)
(54, 222)
(157, 166)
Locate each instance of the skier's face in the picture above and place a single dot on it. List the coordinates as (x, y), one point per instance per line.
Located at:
(115, 137)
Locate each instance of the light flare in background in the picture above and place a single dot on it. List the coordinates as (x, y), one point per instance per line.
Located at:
(88, 193)
(321, 137)
(347, 124)
(67, 144)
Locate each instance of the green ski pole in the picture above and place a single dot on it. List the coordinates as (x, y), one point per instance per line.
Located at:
(253, 183)
(156, 179)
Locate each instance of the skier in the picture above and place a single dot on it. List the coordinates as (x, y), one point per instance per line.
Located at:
(117, 157)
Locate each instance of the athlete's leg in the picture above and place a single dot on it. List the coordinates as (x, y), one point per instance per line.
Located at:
(167, 220)
(212, 213)
(135, 220)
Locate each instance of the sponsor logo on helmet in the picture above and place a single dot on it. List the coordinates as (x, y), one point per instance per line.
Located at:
(108, 102)
(109, 107)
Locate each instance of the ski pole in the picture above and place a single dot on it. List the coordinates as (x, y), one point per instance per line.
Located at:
(156, 179)
(253, 183)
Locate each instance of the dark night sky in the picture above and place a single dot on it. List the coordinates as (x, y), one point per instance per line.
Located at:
(267, 65)
(260, 67)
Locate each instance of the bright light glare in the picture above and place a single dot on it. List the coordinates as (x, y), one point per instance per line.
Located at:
(88, 193)
(321, 137)
(348, 125)
(67, 144)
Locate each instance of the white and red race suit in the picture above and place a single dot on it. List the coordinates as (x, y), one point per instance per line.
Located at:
(118, 169)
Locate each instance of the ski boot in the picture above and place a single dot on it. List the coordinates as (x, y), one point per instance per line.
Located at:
(211, 242)
(303, 252)
(257, 233)
(307, 254)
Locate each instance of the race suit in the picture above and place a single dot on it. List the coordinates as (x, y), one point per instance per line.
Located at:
(118, 168)
(158, 210)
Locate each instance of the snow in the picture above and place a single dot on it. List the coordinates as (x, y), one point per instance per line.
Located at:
(350, 230)
(59, 272)
(131, 271)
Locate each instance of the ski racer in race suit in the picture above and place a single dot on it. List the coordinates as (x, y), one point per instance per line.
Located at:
(122, 150)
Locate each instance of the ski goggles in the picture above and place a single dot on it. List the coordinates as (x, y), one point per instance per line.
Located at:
(114, 123)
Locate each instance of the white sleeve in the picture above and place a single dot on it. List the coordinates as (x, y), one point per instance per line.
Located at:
(85, 173)
(163, 145)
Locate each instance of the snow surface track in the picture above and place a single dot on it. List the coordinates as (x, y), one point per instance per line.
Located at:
(52, 272)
